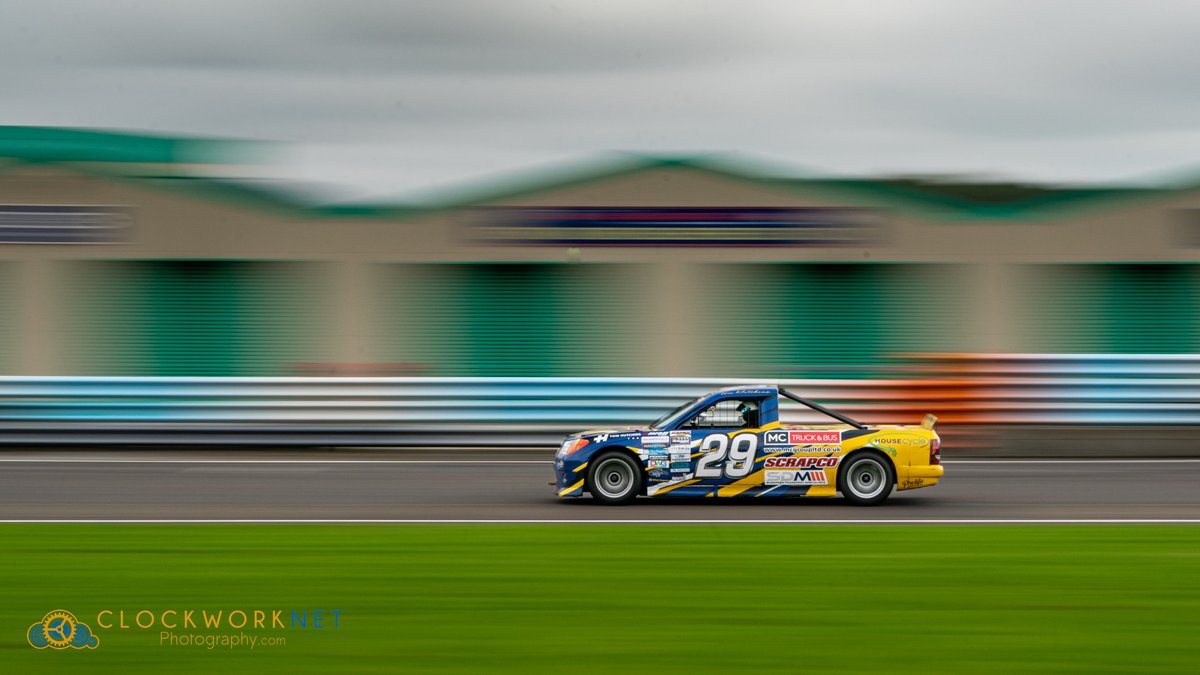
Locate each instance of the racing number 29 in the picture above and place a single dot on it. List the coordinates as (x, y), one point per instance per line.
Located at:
(740, 454)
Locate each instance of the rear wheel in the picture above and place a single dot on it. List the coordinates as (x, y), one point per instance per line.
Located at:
(614, 478)
(866, 479)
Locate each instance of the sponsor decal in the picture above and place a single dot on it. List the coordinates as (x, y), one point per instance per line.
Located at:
(912, 483)
(803, 477)
(659, 463)
(681, 466)
(825, 449)
(656, 438)
(802, 437)
(793, 462)
(600, 438)
(775, 438)
(900, 440)
(681, 437)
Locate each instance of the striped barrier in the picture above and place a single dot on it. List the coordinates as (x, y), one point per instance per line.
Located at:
(961, 389)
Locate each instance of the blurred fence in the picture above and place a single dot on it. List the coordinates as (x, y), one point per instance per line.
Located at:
(962, 390)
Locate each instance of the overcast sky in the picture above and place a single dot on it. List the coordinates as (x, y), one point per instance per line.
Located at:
(392, 98)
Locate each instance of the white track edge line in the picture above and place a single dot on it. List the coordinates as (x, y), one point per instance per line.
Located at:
(609, 521)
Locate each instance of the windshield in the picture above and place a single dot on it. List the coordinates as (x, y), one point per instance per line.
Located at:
(669, 419)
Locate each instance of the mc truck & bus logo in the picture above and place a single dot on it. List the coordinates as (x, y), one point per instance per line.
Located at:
(813, 437)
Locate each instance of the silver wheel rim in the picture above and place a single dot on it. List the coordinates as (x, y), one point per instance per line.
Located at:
(614, 478)
(867, 478)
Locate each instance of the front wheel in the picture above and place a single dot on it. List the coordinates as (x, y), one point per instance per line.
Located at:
(866, 479)
(614, 478)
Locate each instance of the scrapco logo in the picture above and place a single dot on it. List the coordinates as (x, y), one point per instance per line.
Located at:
(59, 630)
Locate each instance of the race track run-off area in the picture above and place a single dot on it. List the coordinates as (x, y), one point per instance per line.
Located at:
(459, 562)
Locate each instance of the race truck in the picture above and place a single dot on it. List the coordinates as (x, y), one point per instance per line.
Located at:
(731, 443)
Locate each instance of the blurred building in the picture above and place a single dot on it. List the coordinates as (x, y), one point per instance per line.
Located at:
(123, 254)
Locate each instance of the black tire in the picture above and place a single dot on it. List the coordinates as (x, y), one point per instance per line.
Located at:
(614, 478)
(866, 479)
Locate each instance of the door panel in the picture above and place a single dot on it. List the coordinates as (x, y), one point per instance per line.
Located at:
(725, 442)
(724, 455)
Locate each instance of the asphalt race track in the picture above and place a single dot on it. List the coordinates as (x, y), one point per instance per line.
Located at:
(448, 485)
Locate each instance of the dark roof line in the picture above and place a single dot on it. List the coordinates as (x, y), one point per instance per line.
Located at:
(120, 153)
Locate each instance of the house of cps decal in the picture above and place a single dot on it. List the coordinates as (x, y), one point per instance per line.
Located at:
(60, 629)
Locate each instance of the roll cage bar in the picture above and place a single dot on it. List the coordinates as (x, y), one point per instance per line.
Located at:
(821, 409)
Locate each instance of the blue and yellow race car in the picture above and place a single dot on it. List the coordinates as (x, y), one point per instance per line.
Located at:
(730, 443)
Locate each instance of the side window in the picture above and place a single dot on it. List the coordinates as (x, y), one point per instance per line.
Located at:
(727, 414)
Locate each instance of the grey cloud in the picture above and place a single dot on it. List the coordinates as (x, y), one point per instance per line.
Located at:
(374, 36)
(417, 94)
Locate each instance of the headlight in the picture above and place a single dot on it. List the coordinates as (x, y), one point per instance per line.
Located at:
(571, 446)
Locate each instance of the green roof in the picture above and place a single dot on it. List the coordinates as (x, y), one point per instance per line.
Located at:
(935, 199)
(136, 155)
(991, 200)
(54, 144)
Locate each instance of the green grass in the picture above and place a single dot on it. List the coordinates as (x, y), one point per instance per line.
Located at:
(554, 599)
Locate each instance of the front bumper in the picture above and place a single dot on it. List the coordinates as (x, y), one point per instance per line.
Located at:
(569, 476)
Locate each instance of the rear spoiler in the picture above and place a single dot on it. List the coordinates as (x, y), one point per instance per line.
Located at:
(929, 421)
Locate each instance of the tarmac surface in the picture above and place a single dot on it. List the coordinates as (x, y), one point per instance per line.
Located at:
(446, 485)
